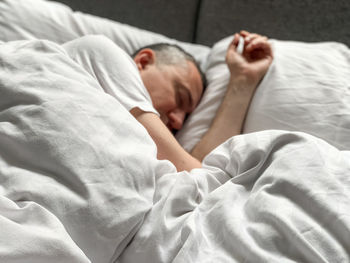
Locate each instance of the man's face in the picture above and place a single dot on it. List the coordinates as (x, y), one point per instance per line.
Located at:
(175, 91)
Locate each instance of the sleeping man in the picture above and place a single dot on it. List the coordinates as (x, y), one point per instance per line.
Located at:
(166, 85)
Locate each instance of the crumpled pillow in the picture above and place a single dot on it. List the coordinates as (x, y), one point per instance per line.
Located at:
(30, 19)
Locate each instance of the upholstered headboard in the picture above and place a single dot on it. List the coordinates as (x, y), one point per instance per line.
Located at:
(176, 19)
(303, 20)
(207, 21)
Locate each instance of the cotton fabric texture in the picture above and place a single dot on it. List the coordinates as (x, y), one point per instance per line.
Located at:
(115, 70)
(305, 89)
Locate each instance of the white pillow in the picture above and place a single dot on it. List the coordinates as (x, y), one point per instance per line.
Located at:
(31, 19)
(307, 88)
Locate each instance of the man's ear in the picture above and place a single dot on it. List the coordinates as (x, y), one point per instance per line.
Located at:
(144, 58)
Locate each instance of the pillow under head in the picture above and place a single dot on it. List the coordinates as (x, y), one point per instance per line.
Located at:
(307, 88)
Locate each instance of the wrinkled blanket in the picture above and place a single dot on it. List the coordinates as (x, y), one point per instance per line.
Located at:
(270, 196)
(80, 182)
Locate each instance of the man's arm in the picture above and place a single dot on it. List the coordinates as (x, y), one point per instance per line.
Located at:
(229, 118)
(246, 70)
(167, 145)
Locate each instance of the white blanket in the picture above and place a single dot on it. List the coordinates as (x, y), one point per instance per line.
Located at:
(270, 196)
(75, 182)
(79, 181)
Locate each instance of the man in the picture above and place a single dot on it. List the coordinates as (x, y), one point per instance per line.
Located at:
(246, 70)
(175, 86)
(184, 64)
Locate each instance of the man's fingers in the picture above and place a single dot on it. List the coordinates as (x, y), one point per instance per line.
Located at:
(236, 39)
(253, 48)
(248, 38)
(258, 43)
(244, 33)
(234, 43)
(251, 37)
(232, 48)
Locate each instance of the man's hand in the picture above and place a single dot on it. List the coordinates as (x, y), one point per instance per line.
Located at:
(247, 70)
(255, 60)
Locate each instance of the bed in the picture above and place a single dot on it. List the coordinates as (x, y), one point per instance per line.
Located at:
(80, 184)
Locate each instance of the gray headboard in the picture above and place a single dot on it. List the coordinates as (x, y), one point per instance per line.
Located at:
(207, 21)
(304, 20)
(176, 19)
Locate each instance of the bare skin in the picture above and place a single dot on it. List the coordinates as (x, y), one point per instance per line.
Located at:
(175, 90)
(247, 70)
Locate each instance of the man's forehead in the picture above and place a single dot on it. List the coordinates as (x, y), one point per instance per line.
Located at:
(196, 83)
(190, 78)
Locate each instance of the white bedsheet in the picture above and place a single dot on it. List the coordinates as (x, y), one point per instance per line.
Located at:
(79, 181)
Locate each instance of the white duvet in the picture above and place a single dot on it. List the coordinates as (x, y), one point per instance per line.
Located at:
(80, 182)
(75, 183)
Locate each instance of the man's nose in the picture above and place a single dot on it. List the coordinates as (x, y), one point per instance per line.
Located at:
(176, 119)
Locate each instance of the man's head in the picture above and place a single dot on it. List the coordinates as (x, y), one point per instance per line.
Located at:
(172, 79)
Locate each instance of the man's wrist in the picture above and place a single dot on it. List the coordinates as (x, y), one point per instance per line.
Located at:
(242, 85)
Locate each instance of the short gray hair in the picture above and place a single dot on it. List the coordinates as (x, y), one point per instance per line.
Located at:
(171, 54)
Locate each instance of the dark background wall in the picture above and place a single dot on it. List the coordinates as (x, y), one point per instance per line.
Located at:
(176, 19)
(207, 21)
(306, 20)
